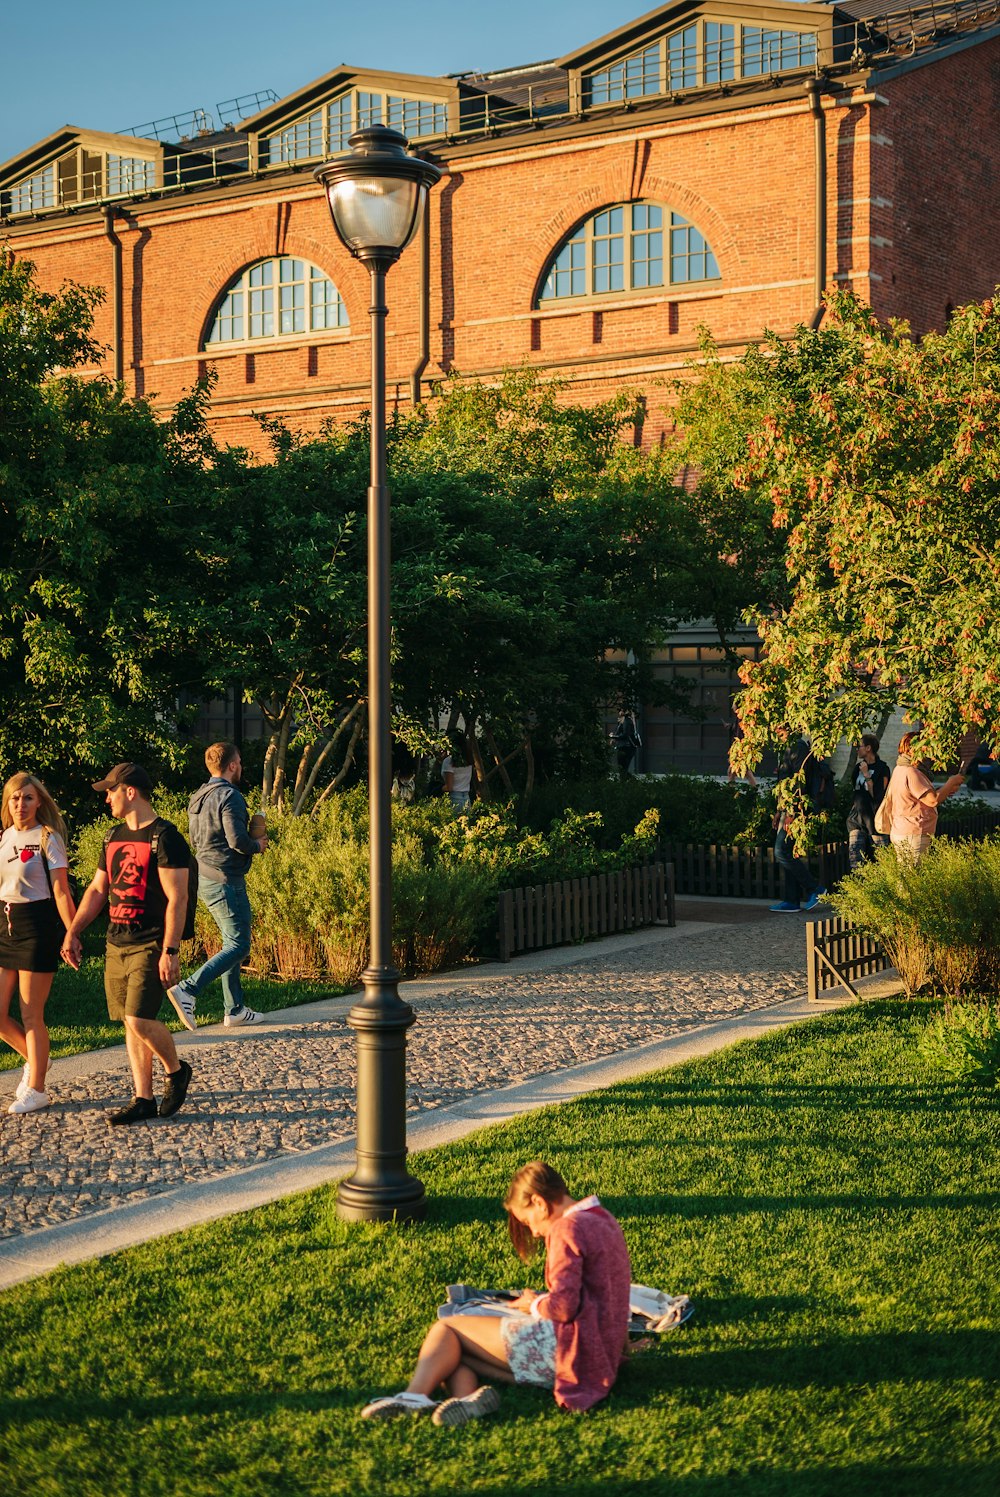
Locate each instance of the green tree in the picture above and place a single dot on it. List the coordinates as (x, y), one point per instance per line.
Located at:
(878, 457)
(105, 583)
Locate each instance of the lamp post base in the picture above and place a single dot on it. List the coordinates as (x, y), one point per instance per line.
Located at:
(381, 1190)
(403, 1201)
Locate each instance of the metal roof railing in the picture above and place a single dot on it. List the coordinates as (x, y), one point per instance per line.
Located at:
(172, 126)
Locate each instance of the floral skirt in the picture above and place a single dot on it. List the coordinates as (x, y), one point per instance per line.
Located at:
(530, 1346)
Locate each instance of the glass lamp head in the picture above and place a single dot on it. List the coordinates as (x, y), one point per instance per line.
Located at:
(376, 193)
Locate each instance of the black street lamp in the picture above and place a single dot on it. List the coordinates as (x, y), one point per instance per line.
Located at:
(376, 194)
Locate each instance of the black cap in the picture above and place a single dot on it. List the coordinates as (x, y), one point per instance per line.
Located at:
(126, 774)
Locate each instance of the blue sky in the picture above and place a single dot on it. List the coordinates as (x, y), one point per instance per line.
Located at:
(109, 64)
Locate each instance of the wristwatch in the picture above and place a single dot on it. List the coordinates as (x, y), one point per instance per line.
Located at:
(171, 951)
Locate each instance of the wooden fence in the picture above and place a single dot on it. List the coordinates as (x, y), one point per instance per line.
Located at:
(752, 873)
(972, 828)
(744, 872)
(599, 905)
(835, 952)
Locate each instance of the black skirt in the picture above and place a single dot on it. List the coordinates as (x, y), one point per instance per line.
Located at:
(30, 936)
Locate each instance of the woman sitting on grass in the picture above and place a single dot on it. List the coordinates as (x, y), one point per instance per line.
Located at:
(571, 1339)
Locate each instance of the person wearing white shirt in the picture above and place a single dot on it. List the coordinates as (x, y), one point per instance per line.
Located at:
(36, 906)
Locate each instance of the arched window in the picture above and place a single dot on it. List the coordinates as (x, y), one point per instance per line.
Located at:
(629, 247)
(277, 299)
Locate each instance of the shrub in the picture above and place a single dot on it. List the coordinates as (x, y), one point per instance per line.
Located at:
(964, 1042)
(310, 892)
(691, 809)
(939, 919)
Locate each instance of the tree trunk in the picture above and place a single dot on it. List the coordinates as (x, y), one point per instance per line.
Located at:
(341, 774)
(304, 787)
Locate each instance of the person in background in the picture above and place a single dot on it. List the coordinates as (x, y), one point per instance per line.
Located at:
(147, 896)
(457, 776)
(36, 907)
(913, 800)
(871, 779)
(984, 771)
(626, 742)
(219, 829)
(571, 1339)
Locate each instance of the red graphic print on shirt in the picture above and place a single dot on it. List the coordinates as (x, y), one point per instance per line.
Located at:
(128, 877)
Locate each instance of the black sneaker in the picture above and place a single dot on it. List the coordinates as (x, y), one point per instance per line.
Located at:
(139, 1110)
(175, 1090)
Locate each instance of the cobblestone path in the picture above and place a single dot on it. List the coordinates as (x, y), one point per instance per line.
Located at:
(290, 1086)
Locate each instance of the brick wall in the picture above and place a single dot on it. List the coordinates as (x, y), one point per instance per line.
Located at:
(937, 177)
(913, 218)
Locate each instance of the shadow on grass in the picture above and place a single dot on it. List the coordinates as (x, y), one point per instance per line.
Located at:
(860, 1479)
(468, 1209)
(661, 1094)
(916, 1357)
(919, 1357)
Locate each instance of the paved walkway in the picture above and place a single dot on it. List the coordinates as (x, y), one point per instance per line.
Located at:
(271, 1109)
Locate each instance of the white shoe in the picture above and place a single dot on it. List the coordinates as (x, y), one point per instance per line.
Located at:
(399, 1404)
(31, 1101)
(24, 1085)
(183, 1005)
(476, 1405)
(243, 1015)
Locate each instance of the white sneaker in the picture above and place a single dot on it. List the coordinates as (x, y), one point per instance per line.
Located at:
(243, 1015)
(24, 1085)
(476, 1405)
(31, 1101)
(398, 1405)
(183, 1006)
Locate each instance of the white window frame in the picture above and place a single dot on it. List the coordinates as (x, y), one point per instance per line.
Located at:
(703, 54)
(264, 294)
(368, 106)
(584, 238)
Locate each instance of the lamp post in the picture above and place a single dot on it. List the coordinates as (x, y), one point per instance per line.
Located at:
(377, 194)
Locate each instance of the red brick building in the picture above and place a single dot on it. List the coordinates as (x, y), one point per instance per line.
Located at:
(708, 163)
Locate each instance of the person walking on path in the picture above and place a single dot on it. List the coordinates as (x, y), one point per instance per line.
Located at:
(37, 907)
(913, 801)
(147, 904)
(571, 1339)
(802, 892)
(219, 829)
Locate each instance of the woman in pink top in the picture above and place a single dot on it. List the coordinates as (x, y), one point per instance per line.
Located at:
(571, 1339)
(913, 801)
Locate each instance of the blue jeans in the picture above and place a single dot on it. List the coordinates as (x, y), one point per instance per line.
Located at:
(229, 907)
(799, 882)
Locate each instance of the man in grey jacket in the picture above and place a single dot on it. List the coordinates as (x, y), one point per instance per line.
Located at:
(218, 829)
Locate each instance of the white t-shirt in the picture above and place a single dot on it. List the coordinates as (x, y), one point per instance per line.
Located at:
(22, 875)
(461, 774)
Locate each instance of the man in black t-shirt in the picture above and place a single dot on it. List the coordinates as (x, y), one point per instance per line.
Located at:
(147, 903)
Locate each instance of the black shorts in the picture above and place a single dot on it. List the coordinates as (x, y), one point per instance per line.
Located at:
(30, 936)
(132, 980)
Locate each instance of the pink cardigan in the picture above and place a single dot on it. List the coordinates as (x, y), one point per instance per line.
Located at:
(587, 1272)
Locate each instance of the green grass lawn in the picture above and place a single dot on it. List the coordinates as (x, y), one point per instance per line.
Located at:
(77, 1015)
(829, 1206)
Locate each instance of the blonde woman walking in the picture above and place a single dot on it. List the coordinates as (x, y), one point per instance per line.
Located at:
(36, 906)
